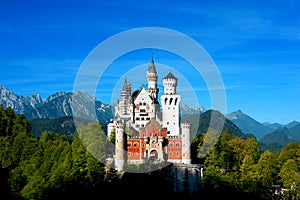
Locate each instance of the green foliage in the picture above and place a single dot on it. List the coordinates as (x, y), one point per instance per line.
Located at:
(208, 142)
(43, 168)
(289, 176)
(236, 164)
(11, 122)
(61, 125)
(112, 137)
(53, 166)
(94, 139)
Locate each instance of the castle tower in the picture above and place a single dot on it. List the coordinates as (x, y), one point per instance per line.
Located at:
(186, 142)
(124, 105)
(152, 77)
(110, 128)
(120, 145)
(170, 102)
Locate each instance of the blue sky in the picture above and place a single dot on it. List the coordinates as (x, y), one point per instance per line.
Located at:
(254, 44)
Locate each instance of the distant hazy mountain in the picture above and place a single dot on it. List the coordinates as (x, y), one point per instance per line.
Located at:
(58, 105)
(292, 124)
(249, 125)
(273, 126)
(282, 136)
(210, 119)
(185, 109)
(294, 132)
(279, 136)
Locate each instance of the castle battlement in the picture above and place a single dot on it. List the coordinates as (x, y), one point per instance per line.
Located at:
(186, 125)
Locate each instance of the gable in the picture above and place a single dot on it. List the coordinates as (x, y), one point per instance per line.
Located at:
(143, 97)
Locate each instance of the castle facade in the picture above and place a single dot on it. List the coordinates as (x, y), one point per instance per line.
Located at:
(146, 128)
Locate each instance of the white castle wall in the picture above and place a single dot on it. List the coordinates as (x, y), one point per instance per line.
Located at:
(170, 113)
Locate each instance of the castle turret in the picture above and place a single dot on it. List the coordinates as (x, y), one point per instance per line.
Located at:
(170, 84)
(124, 104)
(110, 128)
(152, 78)
(186, 142)
(170, 102)
(120, 145)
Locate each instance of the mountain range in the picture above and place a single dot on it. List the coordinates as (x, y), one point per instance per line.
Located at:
(60, 104)
(249, 125)
(57, 105)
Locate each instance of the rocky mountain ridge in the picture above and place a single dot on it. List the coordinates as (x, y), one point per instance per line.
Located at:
(62, 104)
(57, 105)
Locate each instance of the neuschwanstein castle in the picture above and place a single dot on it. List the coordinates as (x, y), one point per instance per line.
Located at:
(144, 129)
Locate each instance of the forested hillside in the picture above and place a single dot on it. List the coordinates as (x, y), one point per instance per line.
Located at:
(62, 125)
(52, 166)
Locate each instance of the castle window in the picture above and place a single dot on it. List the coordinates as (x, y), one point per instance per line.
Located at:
(176, 101)
(129, 144)
(177, 154)
(137, 118)
(136, 144)
(167, 123)
(177, 144)
(171, 101)
(129, 154)
(171, 154)
(171, 144)
(142, 110)
(144, 104)
(148, 118)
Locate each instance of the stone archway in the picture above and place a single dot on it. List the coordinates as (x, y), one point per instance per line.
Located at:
(153, 154)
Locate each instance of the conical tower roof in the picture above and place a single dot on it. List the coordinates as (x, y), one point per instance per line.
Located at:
(170, 76)
(152, 68)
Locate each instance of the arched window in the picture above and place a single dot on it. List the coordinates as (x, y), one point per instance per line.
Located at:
(171, 101)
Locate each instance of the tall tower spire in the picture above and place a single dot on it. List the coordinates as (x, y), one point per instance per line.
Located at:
(152, 78)
(124, 104)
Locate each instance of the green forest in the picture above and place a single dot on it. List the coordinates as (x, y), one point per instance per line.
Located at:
(54, 166)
